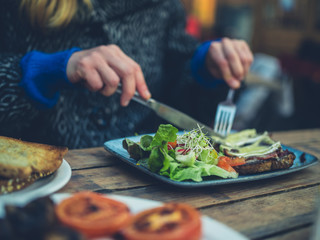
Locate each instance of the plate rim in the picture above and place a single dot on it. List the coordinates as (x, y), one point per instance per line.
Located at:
(210, 182)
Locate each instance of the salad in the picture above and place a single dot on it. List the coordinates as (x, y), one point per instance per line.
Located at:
(186, 156)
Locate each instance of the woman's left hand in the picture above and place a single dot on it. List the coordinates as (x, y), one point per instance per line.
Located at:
(229, 59)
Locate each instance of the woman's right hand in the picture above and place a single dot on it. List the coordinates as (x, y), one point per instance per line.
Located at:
(103, 68)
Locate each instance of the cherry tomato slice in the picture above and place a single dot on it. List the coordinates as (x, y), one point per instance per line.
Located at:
(225, 165)
(234, 161)
(172, 145)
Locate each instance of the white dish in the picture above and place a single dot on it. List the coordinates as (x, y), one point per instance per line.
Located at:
(41, 187)
(212, 229)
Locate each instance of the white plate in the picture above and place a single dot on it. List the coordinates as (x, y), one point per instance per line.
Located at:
(41, 187)
(212, 229)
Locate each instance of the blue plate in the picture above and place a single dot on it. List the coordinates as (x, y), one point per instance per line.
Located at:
(115, 147)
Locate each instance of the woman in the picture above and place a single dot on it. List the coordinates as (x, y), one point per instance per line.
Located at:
(62, 61)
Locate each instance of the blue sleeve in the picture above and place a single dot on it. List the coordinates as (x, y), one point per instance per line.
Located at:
(198, 67)
(44, 75)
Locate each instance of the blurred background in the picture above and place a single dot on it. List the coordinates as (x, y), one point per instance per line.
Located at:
(282, 92)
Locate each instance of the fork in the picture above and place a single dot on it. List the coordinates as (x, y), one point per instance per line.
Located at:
(225, 115)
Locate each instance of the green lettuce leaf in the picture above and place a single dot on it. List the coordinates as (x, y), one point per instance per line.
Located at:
(155, 161)
(209, 156)
(158, 146)
(213, 170)
(188, 173)
(145, 142)
(165, 133)
(187, 159)
(133, 149)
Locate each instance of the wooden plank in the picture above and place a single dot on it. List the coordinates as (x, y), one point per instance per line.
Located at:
(205, 197)
(268, 215)
(107, 178)
(301, 233)
(125, 180)
(90, 157)
(297, 136)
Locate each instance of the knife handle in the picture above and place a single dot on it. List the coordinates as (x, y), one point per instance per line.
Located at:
(136, 97)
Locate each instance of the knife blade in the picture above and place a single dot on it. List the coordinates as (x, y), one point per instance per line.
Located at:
(172, 115)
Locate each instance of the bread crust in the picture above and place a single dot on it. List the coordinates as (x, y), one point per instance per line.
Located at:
(22, 162)
(257, 166)
(15, 184)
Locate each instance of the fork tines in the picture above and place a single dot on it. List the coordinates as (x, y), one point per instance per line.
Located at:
(225, 115)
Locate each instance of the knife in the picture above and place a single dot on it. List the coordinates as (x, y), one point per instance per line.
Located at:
(174, 116)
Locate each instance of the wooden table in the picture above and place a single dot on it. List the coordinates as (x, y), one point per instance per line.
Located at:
(279, 208)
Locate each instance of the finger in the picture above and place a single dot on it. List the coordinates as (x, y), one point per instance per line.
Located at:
(110, 79)
(141, 85)
(129, 70)
(128, 89)
(119, 61)
(233, 58)
(249, 54)
(218, 58)
(122, 66)
(244, 54)
(92, 80)
(132, 83)
(238, 46)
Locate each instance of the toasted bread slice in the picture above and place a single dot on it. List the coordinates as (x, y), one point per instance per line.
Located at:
(264, 165)
(260, 151)
(14, 184)
(21, 159)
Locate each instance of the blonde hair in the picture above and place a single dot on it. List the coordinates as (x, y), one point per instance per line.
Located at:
(52, 13)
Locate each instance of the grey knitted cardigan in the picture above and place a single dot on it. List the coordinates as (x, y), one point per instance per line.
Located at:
(152, 32)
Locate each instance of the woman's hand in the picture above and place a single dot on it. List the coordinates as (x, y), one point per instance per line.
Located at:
(103, 68)
(229, 59)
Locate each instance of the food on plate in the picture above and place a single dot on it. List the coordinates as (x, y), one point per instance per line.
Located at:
(14, 184)
(36, 220)
(19, 158)
(187, 156)
(90, 215)
(93, 214)
(172, 221)
(193, 155)
(259, 151)
(21, 162)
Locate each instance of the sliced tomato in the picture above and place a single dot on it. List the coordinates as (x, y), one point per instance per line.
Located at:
(172, 145)
(235, 161)
(93, 214)
(225, 165)
(172, 221)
